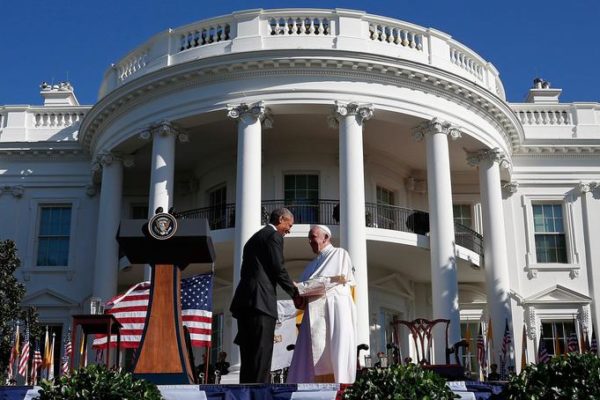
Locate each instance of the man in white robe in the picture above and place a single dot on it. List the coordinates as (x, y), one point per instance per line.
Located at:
(326, 346)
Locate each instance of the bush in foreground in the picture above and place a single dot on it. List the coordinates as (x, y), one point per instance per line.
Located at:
(399, 382)
(96, 382)
(572, 376)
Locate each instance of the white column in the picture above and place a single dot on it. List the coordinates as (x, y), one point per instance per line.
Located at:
(444, 280)
(248, 190)
(590, 208)
(106, 266)
(494, 242)
(162, 172)
(352, 204)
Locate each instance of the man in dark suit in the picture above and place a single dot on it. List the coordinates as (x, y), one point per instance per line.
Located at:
(254, 304)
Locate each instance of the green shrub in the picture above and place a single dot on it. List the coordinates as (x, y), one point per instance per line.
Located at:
(96, 382)
(399, 382)
(572, 376)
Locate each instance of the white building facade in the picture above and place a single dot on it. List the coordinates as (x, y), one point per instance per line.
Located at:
(452, 202)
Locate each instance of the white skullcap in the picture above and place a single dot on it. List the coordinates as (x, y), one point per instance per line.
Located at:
(325, 229)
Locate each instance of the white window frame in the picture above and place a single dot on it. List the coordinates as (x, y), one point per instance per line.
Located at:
(475, 203)
(35, 208)
(573, 260)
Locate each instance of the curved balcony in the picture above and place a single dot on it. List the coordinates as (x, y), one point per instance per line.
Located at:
(314, 29)
(326, 212)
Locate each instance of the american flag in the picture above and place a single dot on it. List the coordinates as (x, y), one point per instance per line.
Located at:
(572, 343)
(24, 361)
(504, 357)
(506, 340)
(594, 344)
(543, 355)
(480, 349)
(130, 310)
(37, 362)
(67, 356)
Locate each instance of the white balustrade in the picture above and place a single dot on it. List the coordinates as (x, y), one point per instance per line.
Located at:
(323, 29)
(57, 119)
(466, 62)
(397, 35)
(544, 116)
(299, 26)
(204, 35)
(132, 64)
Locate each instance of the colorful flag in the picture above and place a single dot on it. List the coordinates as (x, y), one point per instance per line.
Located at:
(37, 362)
(51, 359)
(524, 349)
(480, 352)
(573, 343)
(67, 353)
(130, 310)
(489, 343)
(14, 353)
(557, 347)
(594, 343)
(47, 354)
(24, 361)
(543, 355)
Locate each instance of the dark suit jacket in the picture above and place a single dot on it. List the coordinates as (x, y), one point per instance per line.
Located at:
(262, 270)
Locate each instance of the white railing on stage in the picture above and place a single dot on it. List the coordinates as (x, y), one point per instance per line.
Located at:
(338, 29)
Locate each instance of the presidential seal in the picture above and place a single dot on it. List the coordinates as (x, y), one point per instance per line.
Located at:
(162, 226)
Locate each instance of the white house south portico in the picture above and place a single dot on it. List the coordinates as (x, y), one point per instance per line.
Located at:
(397, 137)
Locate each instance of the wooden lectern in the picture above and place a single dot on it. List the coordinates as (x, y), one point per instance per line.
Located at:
(162, 357)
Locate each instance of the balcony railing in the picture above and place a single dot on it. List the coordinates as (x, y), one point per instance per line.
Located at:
(259, 30)
(326, 212)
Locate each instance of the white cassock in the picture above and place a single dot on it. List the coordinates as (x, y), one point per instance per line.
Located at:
(327, 339)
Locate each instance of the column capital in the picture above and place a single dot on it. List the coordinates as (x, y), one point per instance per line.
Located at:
(91, 190)
(17, 191)
(257, 111)
(586, 187)
(434, 126)
(510, 187)
(164, 129)
(107, 158)
(362, 111)
(494, 155)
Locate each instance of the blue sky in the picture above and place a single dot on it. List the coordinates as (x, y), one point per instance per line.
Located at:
(43, 40)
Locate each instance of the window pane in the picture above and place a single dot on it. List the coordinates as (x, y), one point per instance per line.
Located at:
(301, 194)
(53, 239)
(462, 215)
(550, 240)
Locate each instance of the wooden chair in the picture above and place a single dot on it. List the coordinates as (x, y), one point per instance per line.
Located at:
(421, 331)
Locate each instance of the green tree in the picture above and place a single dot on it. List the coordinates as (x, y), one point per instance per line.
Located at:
(11, 294)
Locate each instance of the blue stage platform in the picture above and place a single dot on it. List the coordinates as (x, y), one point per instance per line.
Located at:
(466, 390)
